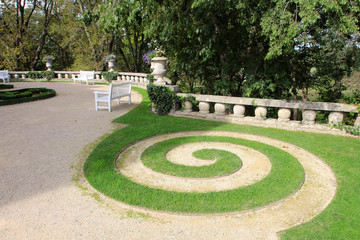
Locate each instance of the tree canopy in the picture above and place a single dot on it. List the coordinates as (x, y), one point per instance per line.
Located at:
(266, 48)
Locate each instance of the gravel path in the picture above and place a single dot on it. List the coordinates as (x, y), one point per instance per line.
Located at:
(40, 141)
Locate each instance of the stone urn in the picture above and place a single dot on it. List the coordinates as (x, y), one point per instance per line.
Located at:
(49, 65)
(48, 62)
(158, 65)
(111, 65)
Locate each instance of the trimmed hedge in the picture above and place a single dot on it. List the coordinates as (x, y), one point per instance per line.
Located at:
(110, 76)
(48, 75)
(25, 95)
(6, 86)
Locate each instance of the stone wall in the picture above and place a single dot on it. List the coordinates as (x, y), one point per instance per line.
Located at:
(285, 108)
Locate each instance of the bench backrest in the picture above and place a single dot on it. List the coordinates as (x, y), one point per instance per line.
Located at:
(4, 73)
(87, 74)
(120, 89)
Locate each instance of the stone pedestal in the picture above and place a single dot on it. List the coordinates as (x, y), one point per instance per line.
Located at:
(239, 111)
(336, 117)
(284, 115)
(308, 117)
(260, 112)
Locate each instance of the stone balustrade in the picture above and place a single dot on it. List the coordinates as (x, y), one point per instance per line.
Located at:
(136, 78)
(309, 109)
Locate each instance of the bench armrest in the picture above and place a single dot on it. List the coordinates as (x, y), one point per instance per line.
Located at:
(99, 92)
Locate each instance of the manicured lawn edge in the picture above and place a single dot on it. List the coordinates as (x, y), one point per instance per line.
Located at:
(338, 221)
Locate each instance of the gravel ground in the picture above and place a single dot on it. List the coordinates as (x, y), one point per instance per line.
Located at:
(41, 140)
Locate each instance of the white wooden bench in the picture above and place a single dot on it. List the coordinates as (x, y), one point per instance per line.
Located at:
(84, 76)
(116, 91)
(5, 76)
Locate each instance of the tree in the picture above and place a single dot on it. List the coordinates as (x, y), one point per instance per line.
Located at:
(47, 8)
(15, 23)
(221, 44)
(212, 41)
(317, 38)
(123, 24)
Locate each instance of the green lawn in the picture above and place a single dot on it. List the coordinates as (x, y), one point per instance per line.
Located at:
(338, 221)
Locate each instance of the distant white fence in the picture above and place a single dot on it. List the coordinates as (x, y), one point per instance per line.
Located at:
(136, 78)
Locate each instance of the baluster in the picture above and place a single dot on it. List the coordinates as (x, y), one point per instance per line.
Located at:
(284, 115)
(239, 111)
(204, 107)
(260, 112)
(357, 122)
(188, 106)
(220, 108)
(336, 117)
(308, 116)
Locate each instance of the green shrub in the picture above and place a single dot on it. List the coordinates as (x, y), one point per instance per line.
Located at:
(34, 75)
(353, 99)
(150, 78)
(163, 98)
(109, 76)
(48, 75)
(349, 129)
(190, 98)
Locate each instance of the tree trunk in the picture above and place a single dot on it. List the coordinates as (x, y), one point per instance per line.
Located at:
(39, 49)
(294, 90)
(93, 49)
